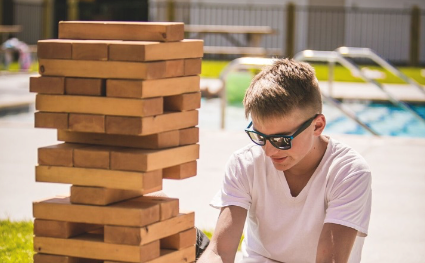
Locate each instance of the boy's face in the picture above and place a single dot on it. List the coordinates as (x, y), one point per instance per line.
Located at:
(302, 145)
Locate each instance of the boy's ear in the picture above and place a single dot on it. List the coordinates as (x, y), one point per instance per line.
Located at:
(319, 124)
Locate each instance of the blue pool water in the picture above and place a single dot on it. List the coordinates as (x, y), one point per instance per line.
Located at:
(384, 118)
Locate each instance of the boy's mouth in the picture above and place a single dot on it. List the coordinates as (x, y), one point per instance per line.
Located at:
(278, 159)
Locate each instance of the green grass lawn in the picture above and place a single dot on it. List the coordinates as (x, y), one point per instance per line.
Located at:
(16, 241)
(212, 69)
(14, 67)
(237, 82)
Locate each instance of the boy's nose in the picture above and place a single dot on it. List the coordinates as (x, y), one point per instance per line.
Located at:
(269, 149)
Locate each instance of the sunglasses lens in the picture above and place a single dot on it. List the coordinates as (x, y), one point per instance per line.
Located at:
(281, 142)
(256, 138)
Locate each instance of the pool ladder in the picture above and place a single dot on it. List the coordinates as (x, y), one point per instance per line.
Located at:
(339, 55)
(331, 57)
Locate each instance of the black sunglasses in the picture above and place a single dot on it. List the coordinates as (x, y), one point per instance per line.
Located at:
(280, 141)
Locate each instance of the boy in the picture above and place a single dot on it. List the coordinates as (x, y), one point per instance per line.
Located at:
(304, 196)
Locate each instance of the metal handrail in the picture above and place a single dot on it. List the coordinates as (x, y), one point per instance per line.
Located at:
(368, 53)
(251, 62)
(360, 52)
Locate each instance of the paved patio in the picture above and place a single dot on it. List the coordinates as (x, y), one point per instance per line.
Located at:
(397, 228)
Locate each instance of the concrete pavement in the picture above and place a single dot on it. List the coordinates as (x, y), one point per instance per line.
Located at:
(397, 228)
(14, 91)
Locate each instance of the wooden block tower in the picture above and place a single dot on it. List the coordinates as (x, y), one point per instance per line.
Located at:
(123, 97)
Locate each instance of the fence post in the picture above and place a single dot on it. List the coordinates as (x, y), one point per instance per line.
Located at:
(72, 9)
(1, 12)
(47, 18)
(290, 29)
(414, 36)
(171, 8)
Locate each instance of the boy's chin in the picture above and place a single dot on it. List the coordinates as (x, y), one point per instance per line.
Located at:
(281, 167)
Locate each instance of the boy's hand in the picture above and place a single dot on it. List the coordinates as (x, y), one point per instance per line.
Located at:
(227, 234)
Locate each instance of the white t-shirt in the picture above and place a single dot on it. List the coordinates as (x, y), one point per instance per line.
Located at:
(283, 228)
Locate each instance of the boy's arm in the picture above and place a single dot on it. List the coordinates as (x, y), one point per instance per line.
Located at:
(335, 243)
(227, 234)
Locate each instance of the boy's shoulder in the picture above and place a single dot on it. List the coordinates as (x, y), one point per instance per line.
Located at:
(248, 156)
(250, 150)
(344, 158)
(341, 149)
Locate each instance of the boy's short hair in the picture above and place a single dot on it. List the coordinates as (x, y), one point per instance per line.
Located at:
(282, 87)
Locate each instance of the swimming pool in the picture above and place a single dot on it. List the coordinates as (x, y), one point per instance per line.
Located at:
(384, 118)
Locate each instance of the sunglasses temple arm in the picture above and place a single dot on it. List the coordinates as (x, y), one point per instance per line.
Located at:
(249, 126)
(304, 126)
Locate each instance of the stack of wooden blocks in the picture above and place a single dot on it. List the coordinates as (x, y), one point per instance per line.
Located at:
(123, 97)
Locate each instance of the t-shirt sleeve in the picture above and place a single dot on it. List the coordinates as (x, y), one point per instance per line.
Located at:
(349, 202)
(235, 189)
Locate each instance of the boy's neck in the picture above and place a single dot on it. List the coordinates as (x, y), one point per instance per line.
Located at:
(311, 161)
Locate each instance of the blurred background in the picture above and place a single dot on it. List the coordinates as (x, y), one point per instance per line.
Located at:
(369, 57)
(394, 30)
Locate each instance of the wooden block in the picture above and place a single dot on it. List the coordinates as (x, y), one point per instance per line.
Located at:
(182, 102)
(189, 136)
(86, 123)
(91, 246)
(73, 49)
(54, 49)
(101, 196)
(180, 240)
(174, 68)
(192, 66)
(175, 256)
(139, 236)
(61, 229)
(85, 86)
(53, 120)
(149, 160)
(168, 207)
(133, 212)
(151, 88)
(151, 51)
(102, 69)
(99, 105)
(90, 50)
(141, 31)
(47, 85)
(180, 171)
(92, 157)
(154, 141)
(147, 182)
(58, 155)
(46, 258)
(151, 125)
(129, 125)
